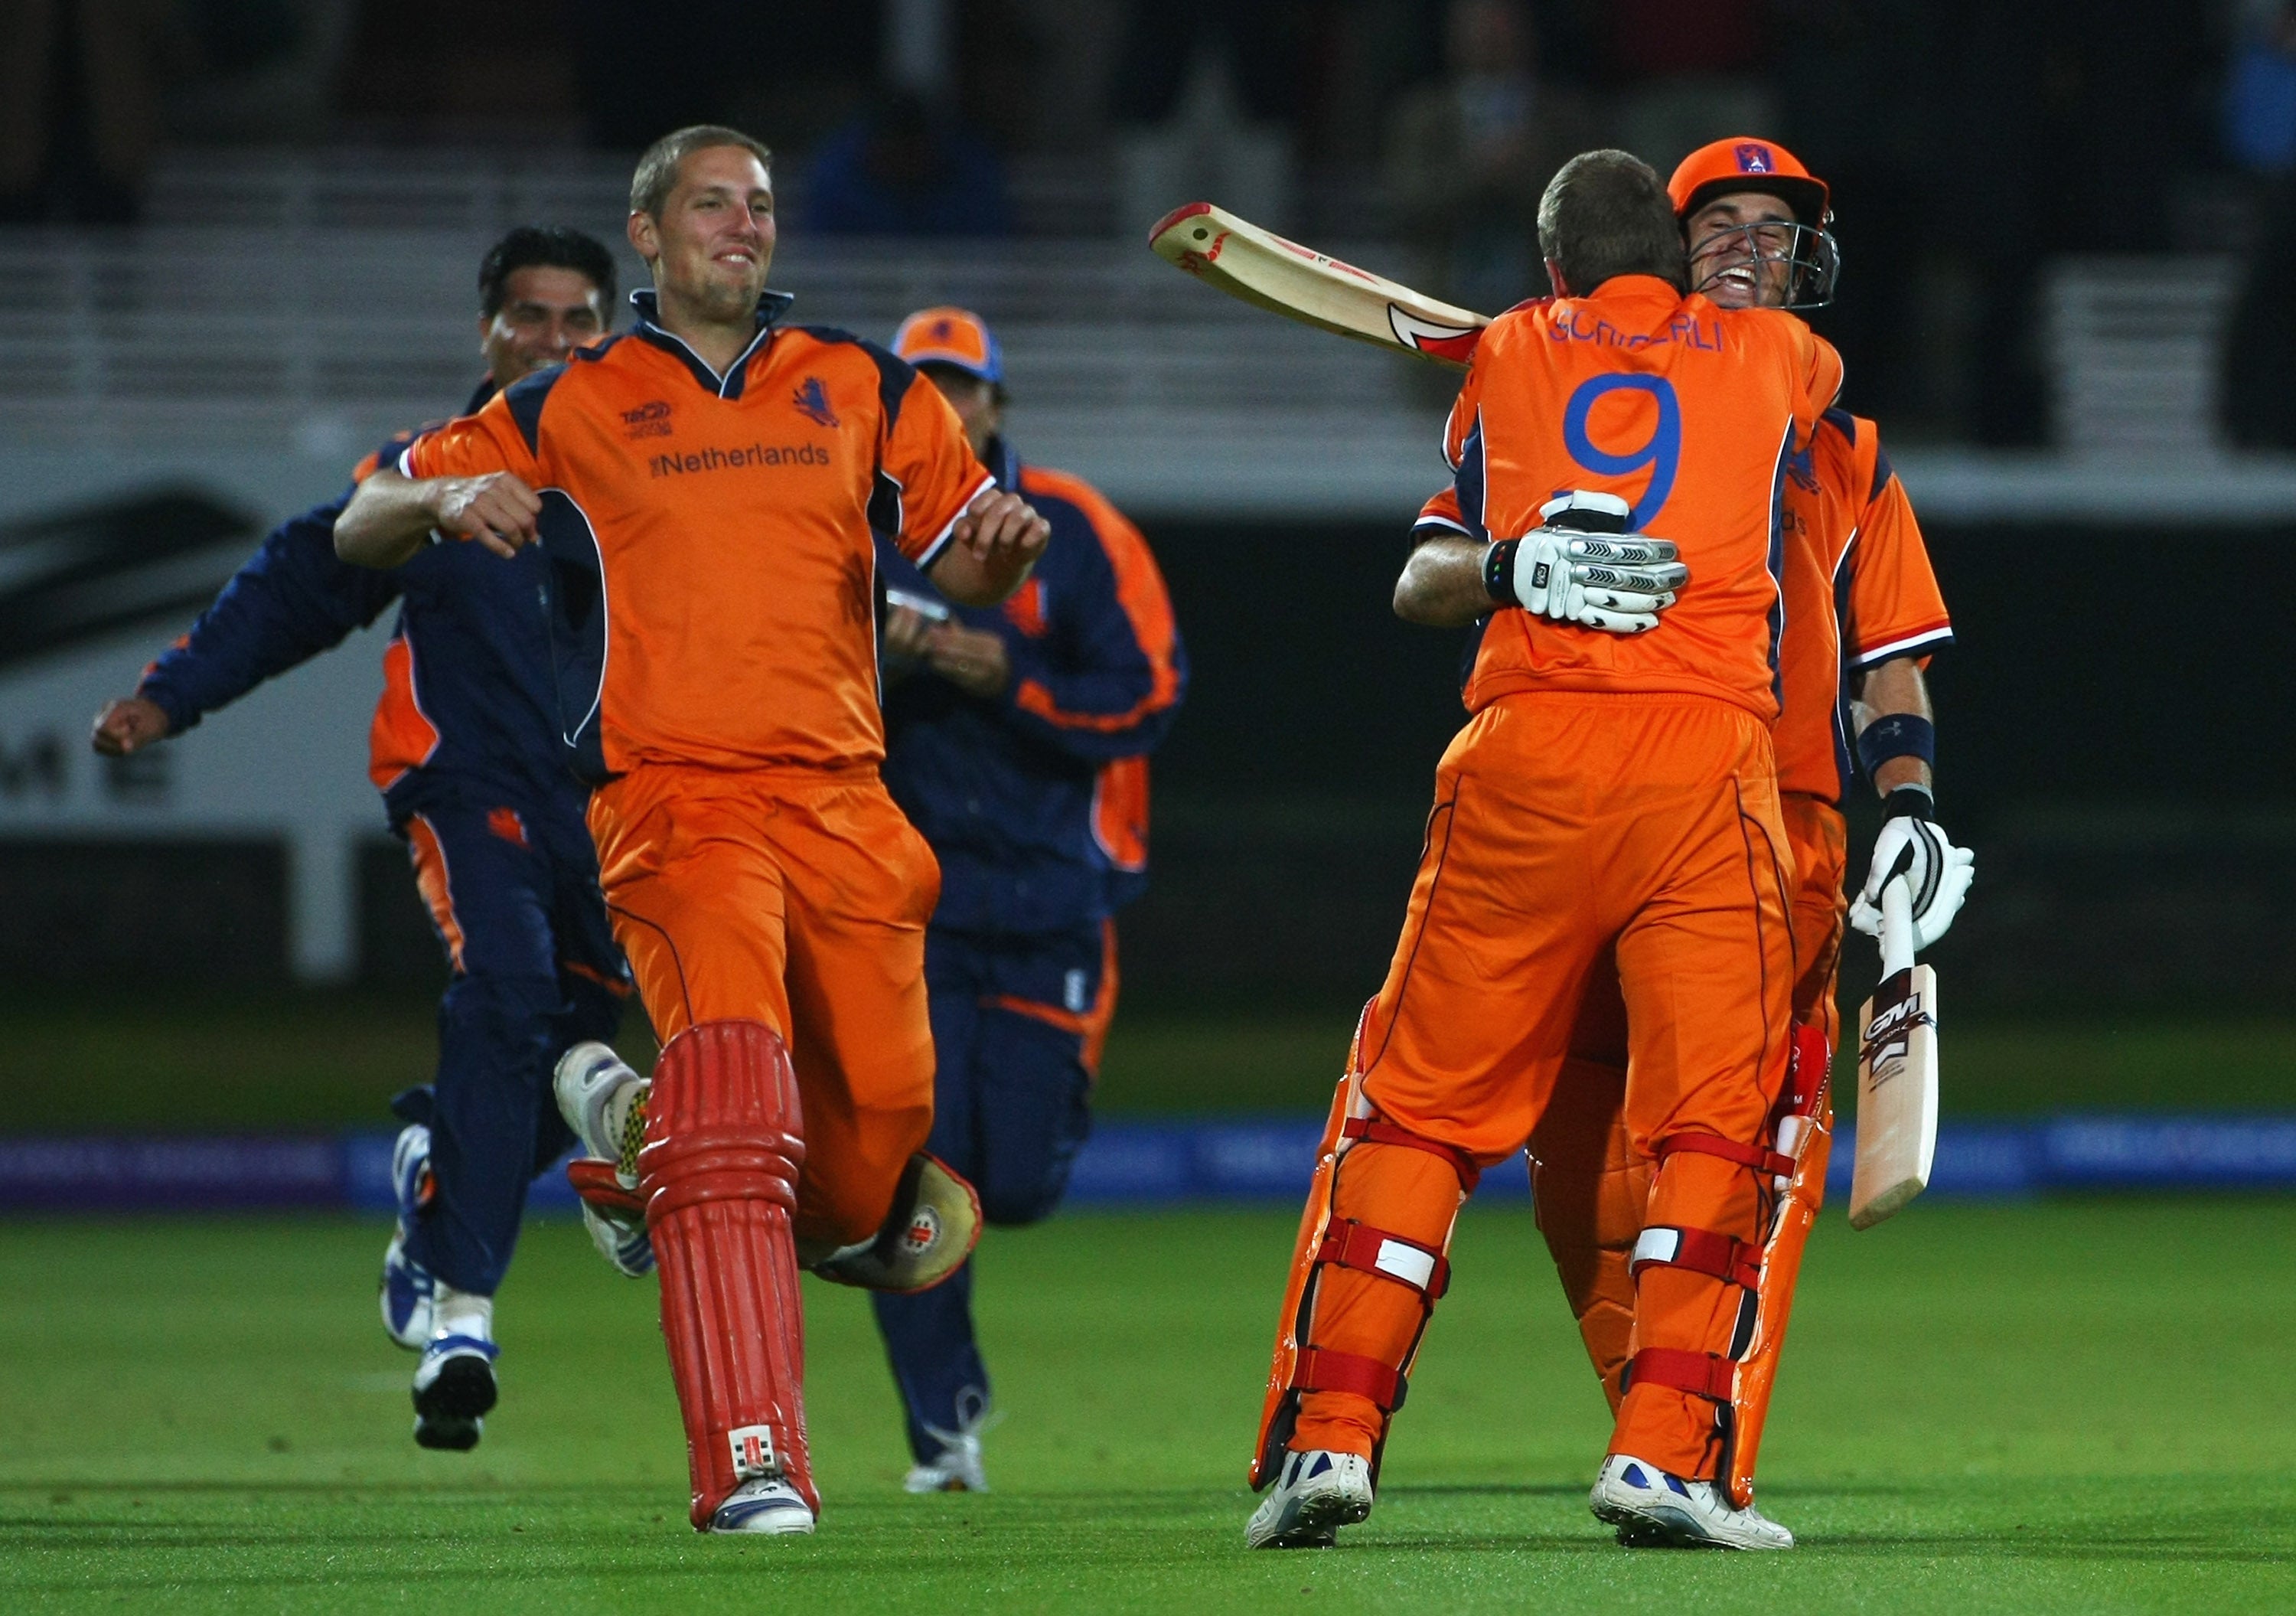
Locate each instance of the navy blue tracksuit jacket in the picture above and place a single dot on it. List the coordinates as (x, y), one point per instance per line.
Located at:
(1036, 803)
(464, 749)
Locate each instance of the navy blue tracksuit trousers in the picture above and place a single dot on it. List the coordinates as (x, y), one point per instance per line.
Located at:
(1015, 1023)
(511, 889)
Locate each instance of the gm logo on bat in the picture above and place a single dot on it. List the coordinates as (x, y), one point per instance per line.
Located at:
(1885, 1037)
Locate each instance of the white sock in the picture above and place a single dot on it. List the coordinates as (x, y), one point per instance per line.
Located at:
(460, 1313)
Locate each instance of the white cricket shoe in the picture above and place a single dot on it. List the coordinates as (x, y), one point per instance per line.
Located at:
(408, 1289)
(1651, 1508)
(1315, 1493)
(957, 1468)
(593, 1086)
(588, 1080)
(766, 1504)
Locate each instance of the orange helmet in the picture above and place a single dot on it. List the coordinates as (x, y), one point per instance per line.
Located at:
(1813, 258)
(1743, 163)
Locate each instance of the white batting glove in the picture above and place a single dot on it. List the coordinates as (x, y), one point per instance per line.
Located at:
(1912, 845)
(1618, 583)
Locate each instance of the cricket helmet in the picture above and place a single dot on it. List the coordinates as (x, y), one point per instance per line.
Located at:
(1740, 163)
(955, 337)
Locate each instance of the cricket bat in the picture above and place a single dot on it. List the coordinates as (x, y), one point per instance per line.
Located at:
(1897, 1073)
(1300, 283)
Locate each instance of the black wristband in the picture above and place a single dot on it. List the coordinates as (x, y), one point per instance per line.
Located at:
(1909, 802)
(1898, 735)
(1498, 572)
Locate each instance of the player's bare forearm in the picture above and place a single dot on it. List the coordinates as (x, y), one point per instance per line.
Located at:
(1896, 686)
(386, 522)
(392, 517)
(1442, 584)
(990, 551)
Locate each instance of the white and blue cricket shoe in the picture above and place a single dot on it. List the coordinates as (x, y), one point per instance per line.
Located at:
(454, 1388)
(1315, 1493)
(597, 1094)
(764, 1504)
(1651, 1508)
(408, 1291)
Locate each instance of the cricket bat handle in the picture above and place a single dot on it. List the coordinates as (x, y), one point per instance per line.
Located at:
(1897, 927)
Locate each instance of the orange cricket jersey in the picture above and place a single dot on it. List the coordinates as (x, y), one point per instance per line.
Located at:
(1858, 589)
(1686, 411)
(712, 578)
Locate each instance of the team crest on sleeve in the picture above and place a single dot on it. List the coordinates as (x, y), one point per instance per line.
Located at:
(812, 401)
(1755, 159)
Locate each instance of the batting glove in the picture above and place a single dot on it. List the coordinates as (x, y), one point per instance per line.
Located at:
(1912, 845)
(1618, 583)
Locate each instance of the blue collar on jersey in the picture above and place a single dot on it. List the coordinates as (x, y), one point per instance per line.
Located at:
(771, 306)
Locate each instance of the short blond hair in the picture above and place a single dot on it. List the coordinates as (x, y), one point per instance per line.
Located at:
(657, 171)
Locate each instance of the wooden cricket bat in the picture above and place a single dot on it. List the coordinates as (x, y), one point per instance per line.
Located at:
(1897, 1073)
(1300, 283)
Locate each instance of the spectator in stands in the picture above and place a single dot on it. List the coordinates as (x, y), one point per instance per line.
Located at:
(2260, 100)
(79, 108)
(1468, 154)
(1205, 94)
(1693, 71)
(1867, 97)
(2258, 407)
(905, 168)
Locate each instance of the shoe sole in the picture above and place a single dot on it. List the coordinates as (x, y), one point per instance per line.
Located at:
(447, 1412)
(1316, 1524)
(1664, 1528)
(765, 1523)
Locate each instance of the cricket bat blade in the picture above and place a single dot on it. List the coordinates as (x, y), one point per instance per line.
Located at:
(1262, 268)
(1896, 1075)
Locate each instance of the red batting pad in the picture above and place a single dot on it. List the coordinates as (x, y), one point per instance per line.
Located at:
(723, 1140)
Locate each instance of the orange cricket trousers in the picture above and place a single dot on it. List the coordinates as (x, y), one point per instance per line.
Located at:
(797, 897)
(1819, 836)
(1591, 1188)
(1572, 831)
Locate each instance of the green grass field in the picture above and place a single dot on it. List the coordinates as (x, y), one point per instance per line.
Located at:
(324, 1061)
(2056, 1406)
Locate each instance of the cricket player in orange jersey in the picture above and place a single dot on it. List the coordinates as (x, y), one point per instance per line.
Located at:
(705, 488)
(1611, 807)
(1863, 614)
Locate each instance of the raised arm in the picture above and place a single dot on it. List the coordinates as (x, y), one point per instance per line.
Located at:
(392, 516)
